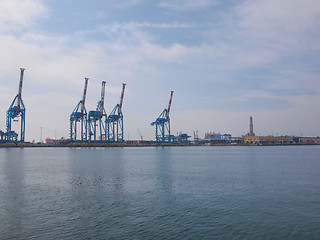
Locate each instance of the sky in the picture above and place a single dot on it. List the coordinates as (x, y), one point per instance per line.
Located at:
(225, 60)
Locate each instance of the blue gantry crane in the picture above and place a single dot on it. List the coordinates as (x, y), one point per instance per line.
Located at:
(162, 124)
(97, 118)
(2, 136)
(115, 121)
(79, 114)
(16, 110)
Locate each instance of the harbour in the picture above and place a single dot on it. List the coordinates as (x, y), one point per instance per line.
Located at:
(194, 192)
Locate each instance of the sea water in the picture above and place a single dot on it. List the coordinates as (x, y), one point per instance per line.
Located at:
(205, 192)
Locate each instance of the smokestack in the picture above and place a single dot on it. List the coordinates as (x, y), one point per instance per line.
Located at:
(251, 127)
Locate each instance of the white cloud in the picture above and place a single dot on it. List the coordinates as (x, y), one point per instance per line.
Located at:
(182, 5)
(281, 24)
(133, 26)
(128, 3)
(15, 14)
(175, 53)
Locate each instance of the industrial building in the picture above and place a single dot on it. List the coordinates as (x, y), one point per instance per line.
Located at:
(309, 140)
(269, 140)
(217, 136)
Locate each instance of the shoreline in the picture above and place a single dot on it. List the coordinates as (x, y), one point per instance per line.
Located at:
(107, 145)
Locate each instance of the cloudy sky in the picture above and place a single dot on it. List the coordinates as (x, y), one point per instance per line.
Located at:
(224, 59)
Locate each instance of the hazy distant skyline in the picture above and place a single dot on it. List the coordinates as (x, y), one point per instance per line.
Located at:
(224, 60)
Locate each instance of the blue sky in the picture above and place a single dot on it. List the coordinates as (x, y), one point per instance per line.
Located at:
(224, 60)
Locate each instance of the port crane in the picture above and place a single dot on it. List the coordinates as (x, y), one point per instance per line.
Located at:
(16, 110)
(2, 136)
(115, 121)
(79, 114)
(97, 118)
(162, 124)
(141, 137)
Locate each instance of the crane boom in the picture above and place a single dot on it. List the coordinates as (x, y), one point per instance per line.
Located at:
(20, 89)
(169, 106)
(121, 99)
(102, 97)
(84, 95)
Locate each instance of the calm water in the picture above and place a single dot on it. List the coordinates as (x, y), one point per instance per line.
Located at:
(160, 193)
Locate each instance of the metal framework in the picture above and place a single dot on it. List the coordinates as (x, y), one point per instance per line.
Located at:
(15, 111)
(2, 136)
(115, 121)
(97, 118)
(79, 114)
(162, 124)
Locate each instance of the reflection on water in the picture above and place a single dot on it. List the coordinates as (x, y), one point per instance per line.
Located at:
(13, 199)
(163, 170)
(160, 193)
(96, 168)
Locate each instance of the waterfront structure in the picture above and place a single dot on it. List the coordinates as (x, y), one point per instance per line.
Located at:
(309, 140)
(162, 124)
(16, 110)
(115, 121)
(251, 127)
(2, 136)
(61, 141)
(217, 136)
(97, 120)
(250, 133)
(79, 114)
(183, 138)
(269, 140)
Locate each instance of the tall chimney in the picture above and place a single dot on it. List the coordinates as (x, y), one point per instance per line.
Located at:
(251, 127)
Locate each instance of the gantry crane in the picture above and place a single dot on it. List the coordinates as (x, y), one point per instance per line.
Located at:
(16, 110)
(79, 114)
(163, 124)
(2, 136)
(141, 137)
(98, 118)
(115, 121)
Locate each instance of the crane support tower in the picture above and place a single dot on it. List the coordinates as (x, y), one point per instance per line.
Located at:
(115, 121)
(97, 118)
(162, 124)
(15, 111)
(2, 136)
(79, 114)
